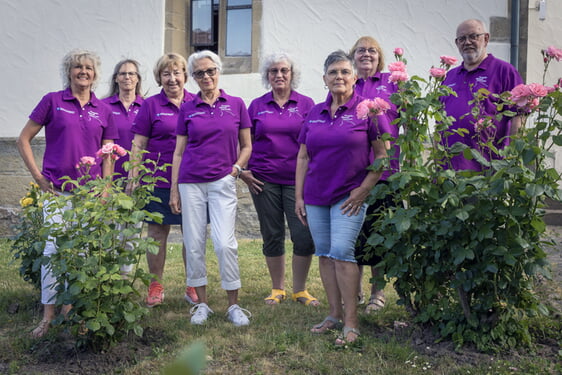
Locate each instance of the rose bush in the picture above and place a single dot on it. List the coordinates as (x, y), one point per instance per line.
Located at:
(464, 248)
(98, 236)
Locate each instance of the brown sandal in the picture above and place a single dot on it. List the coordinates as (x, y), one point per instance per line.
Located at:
(42, 329)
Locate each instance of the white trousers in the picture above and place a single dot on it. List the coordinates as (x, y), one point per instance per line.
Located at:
(219, 199)
(48, 280)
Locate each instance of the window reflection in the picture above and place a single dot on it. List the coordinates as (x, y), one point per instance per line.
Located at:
(202, 22)
(239, 32)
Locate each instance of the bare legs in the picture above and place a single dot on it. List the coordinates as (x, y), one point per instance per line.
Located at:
(157, 261)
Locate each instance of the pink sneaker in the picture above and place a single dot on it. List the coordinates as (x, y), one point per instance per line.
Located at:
(155, 294)
(191, 295)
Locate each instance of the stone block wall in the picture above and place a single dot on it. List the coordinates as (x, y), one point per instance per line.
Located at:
(14, 180)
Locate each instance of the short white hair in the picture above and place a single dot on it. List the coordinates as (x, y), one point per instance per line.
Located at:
(275, 58)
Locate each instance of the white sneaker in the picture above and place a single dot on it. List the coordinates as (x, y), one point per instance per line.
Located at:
(238, 315)
(200, 313)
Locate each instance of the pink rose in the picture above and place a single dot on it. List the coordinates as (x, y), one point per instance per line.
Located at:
(520, 95)
(448, 60)
(370, 108)
(397, 66)
(398, 51)
(438, 72)
(120, 151)
(537, 90)
(363, 109)
(398, 76)
(554, 53)
(86, 161)
(111, 150)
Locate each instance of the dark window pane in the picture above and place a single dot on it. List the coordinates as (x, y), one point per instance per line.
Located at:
(239, 32)
(202, 22)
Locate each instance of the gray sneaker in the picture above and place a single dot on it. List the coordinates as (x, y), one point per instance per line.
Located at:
(200, 313)
(238, 315)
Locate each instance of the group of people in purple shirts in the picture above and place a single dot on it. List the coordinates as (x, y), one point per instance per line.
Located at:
(304, 163)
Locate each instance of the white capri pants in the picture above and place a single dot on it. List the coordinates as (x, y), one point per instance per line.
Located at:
(221, 200)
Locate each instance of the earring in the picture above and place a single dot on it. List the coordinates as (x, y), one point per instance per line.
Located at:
(326, 87)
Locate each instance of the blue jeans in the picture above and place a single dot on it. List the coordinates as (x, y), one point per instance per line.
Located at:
(334, 233)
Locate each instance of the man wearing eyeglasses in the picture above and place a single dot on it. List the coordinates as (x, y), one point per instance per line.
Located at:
(479, 70)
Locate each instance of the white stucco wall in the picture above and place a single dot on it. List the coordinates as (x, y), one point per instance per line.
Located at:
(544, 33)
(36, 34)
(311, 29)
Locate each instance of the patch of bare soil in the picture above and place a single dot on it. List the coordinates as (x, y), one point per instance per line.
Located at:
(61, 356)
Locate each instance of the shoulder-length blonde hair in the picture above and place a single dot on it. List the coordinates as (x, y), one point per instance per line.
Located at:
(372, 41)
(75, 57)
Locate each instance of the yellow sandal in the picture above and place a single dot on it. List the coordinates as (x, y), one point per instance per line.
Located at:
(305, 298)
(276, 296)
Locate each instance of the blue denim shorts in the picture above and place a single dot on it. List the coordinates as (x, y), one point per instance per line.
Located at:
(334, 233)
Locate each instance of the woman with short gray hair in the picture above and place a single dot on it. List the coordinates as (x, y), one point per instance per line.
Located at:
(277, 119)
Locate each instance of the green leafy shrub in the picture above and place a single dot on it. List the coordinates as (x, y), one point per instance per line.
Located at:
(465, 247)
(98, 236)
(28, 243)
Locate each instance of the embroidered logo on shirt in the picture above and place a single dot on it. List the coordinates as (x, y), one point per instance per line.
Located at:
(164, 114)
(294, 111)
(65, 110)
(483, 80)
(225, 108)
(381, 88)
(347, 118)
(195, 114)
(316, 122)
(116, 113)
(265, 112)
(94, 115)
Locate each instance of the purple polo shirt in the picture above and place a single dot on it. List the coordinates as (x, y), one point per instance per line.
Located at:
(339, 150)
(375, 86)
(71, 132)
(123, 119)
(157, 120)
(275, 132)
(212, 137)
(494, 75)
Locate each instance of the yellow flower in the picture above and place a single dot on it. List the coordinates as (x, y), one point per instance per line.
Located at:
(24, 202)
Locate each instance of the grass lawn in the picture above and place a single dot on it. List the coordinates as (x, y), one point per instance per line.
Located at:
(277, 341)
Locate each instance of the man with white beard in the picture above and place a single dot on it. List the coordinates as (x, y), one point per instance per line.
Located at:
(479, 70)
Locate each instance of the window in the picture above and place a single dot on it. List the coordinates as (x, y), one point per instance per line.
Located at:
(229, 28)
(239, 28)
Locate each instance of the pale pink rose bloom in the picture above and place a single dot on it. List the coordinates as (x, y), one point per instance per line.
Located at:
(380, 105)
(438, 72)
(520, 95)
(398, 76)
(448, 60)
(87, 160)
(120, 151)
(537, 90)
(397, 66)
(363, 109)
(398, 51)
(534, 103)
(554, 53)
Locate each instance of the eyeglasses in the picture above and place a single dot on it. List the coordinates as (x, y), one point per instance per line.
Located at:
(471, 37)
(201, 73)
(362, 51)
(334, 73)
(283, 71)
(127, 74)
